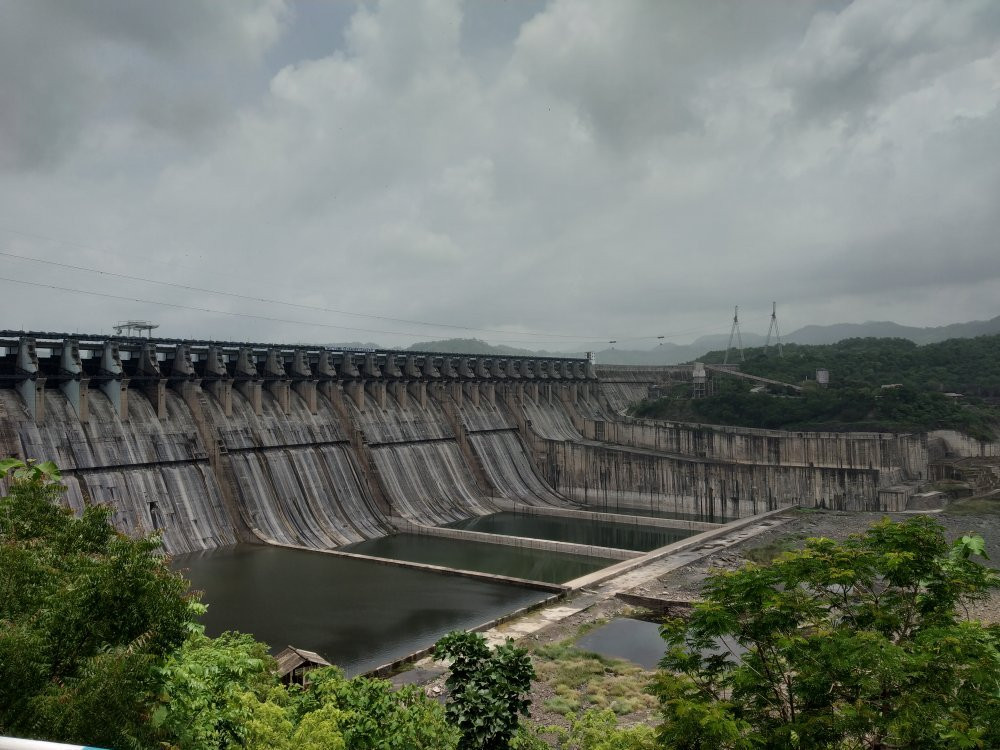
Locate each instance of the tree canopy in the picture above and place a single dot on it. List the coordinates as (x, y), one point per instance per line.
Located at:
(857, 644)
(969, 366)
(86, 614)
(883, 385)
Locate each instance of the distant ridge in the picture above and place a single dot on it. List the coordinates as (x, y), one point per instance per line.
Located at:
(831, 334)
(674, 354)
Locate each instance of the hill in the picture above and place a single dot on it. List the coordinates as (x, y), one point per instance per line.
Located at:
(471, 346)
(875, 384)
(831, 334)
(668, 353)
(969, 366)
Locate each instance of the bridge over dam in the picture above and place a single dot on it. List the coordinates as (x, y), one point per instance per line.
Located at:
(216, 443)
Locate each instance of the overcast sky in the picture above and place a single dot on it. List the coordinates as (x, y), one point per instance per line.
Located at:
(558, 173)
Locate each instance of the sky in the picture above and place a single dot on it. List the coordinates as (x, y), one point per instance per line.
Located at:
(541, 174)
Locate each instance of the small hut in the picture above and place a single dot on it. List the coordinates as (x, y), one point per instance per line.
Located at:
(294, 663)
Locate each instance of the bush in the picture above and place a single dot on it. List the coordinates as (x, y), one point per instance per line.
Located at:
(856, 644)
(87, 615)
(488, 689)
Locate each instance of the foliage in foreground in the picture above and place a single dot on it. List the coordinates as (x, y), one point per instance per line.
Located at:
(222, 693)
(86, 616)
(591, 730)
(852, 645)
(489, 689)
(99, 645)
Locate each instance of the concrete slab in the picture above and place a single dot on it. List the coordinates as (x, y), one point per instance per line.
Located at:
(655, 564)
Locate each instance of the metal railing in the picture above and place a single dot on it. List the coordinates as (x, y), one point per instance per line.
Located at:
(13, 743)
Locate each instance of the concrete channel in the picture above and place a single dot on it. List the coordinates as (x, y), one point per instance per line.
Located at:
(582, 593)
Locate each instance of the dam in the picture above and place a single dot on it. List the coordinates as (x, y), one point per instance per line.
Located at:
(246, 456)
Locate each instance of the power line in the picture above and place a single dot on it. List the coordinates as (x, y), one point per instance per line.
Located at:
(204, 309)
(551, 338)
(774, 329)
(251, 298)
(213, 311)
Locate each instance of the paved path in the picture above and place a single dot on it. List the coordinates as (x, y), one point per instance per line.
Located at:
(588, 597)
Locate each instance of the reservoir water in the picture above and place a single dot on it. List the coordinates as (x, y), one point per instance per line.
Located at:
(357, 614)
(576, 530)
(626, 638)
(663, 512)
(533, 564)
(639, 641)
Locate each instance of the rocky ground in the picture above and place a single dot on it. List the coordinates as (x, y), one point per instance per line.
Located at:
(573, 680)
(979, 516)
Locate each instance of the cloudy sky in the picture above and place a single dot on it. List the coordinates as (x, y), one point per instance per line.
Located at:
(545, 174)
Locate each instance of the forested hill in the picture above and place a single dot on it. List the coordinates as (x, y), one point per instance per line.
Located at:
(856, 398)
(968, 366)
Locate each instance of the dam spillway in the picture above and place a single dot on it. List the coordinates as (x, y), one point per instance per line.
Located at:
(219, 443)
(223, 447)
(216, 443)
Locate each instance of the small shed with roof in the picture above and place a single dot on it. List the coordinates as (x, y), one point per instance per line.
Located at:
(294, 663)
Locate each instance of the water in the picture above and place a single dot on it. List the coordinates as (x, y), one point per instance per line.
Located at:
(535, 565)
(357, 614)
(659, 513)
(622, 395)
(636, 641)
(639, 641)
(295, 475)
(576, 530)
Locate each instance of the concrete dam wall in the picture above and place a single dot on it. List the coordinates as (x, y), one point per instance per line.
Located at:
(609, 476)
(839, 450)
(218, 443)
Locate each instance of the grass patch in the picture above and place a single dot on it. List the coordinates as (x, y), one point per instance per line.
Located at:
(581, 680)
(588, 626)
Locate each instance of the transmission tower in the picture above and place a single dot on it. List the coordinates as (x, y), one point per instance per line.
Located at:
(774, 328)
(735, 330)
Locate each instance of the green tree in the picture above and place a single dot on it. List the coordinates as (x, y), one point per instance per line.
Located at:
(599, 730)
(851, 645)
(222, 693)
(212, 689)
(372, 715)
(86, 616)
(488, 689)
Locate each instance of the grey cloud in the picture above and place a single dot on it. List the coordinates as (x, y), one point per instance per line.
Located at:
(602, 169)
(634, 71)
(70, 67)
(849, 63)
